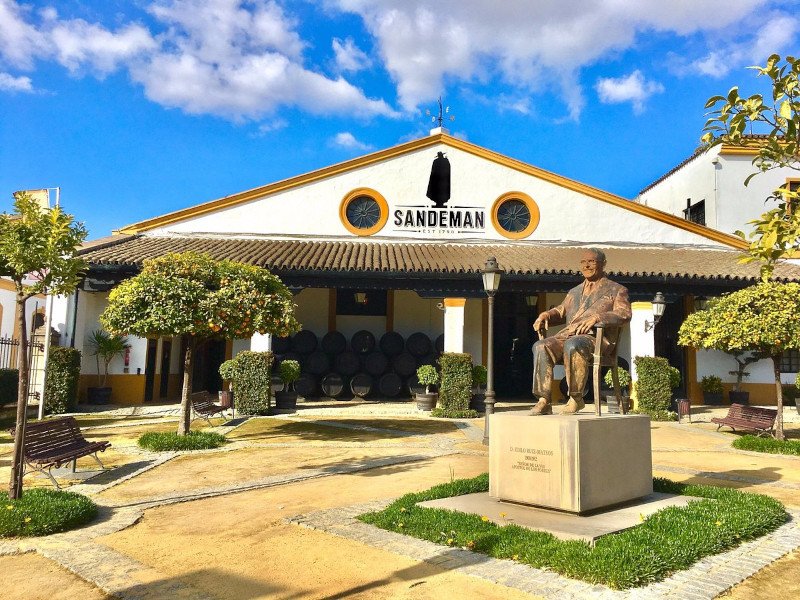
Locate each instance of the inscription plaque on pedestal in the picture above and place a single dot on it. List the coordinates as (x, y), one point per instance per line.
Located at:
(575, 463)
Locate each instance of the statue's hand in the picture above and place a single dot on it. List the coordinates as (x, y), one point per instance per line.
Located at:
(540, 324)
(586, 325)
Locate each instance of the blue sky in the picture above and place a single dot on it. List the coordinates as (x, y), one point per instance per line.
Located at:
(137, 108)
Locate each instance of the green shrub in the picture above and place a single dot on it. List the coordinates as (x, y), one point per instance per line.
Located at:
(61, 380)
(42, 511)
(427, 375)
(624, 379)
(790, 392)
(672, 539)
(653, 387)
(479, 375)
(9, 385)
(768, 445)
(455, 390)
(290, 372)
(250, 374)
(445, 413)
(711, 384)
(165, 441)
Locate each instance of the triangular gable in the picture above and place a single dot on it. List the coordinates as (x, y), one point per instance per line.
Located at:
(412, 147)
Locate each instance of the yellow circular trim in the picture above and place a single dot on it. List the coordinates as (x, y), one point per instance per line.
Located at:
(532, 207)
(357, 193)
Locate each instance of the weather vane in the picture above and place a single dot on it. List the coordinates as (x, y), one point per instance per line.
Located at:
(442, 112)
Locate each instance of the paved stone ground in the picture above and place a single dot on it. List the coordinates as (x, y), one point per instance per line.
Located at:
(121, 576)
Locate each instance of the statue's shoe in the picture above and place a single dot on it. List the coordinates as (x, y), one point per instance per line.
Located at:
(543, 407)
(573, 406)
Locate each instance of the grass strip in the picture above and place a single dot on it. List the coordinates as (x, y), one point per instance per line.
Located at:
(43, 512)
(670, 540)
(164, 441)
(768, 445)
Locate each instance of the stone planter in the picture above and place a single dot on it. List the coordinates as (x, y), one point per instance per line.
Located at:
(712, 398)
(427, 402)
(98, 395)
(286, 400)
(739, 397)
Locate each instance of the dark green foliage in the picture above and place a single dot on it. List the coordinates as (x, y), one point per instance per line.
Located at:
(250, 373)
(454, 414)
(669, 540)
(455, 389)
(791, 392)
(43, 511)
(768, 445)
(289, 371)
(653, 387)
(170, 441)
(9, 384)
(61, 380)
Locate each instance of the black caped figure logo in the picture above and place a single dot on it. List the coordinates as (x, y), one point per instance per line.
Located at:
(439, 182)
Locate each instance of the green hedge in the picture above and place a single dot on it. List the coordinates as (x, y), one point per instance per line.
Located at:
(767, 445)
(170, 441)
(455, 389)
(251, 375)
(669, 540)
(654, 387)
(61, 380)
(43, 511)
(9, 385)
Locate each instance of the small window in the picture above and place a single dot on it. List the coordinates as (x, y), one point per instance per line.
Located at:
(364, 212)
(790, 361)
(515, 215)
(696, 213)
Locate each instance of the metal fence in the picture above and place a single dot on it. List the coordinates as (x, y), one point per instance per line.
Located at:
(9, 355)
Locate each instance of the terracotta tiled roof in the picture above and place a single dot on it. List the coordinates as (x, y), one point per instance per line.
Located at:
(434, 257)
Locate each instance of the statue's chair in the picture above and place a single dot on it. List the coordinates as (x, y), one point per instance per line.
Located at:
(607, 358)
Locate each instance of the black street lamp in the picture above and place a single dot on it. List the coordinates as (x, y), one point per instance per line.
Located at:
(491, 281)
(659, 304)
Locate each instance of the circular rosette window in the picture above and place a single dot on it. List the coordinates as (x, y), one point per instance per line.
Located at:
(364, 212)
(515, 215)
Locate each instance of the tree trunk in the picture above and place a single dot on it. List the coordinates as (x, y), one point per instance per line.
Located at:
(186, 405)
(17, 464)
(776, 364)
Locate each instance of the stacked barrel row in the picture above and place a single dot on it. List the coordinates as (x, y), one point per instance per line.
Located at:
(364, 365)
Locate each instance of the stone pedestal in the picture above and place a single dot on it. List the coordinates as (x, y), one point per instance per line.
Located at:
(575, 463)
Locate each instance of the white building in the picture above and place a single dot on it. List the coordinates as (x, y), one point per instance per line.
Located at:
(365, 250)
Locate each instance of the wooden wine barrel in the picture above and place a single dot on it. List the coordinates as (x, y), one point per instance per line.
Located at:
(332, 385)
(361, 385)
(317, 363)
(376, 363)
(333, 342)
(281, 345)
(439, 343)
(419, 344)
(404, 364)
(306, 386)
(392, 343)
(347, 363)
(390, 385)
(414, 386)
(362, 342)
(428, 359)
(304, 342)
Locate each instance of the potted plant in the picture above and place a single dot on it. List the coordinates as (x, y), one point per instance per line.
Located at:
(712, 389)
(479, 378)
(624, 384)
(105, 348)
(290, 372)
(227, 371)
(427, 376)
(736, 395)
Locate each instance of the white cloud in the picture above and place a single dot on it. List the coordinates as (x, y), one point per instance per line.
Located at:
(271, 126)
(348, 56)
(777, 35)
(239, 59)
(345, 139)
(9, 83)
(633, 88)
(529, 45)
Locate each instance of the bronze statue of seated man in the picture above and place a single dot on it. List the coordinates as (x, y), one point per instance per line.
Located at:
(597, 300)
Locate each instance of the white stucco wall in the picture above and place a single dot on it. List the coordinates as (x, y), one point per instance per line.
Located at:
(566, 215)
(712, 362)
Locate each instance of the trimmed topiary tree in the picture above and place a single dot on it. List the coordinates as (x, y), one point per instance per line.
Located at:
(193, 295)
(251, 375)
(61, 380)
(455, 389)
(762, 319)
(654, 380)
